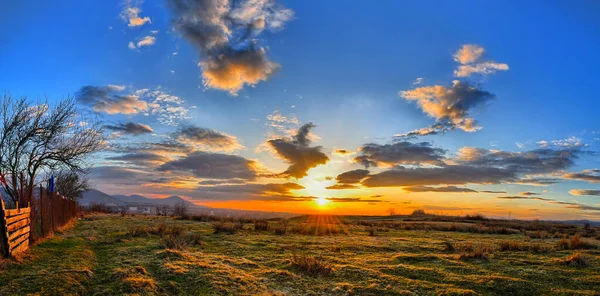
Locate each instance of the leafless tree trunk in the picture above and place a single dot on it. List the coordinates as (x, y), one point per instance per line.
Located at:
(40, 137)
(180, 209)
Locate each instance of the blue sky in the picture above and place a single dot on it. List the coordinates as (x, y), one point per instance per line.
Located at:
(342, 65)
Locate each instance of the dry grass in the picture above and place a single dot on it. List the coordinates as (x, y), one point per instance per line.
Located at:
(128, 256)
(311, 265)
(576, 260)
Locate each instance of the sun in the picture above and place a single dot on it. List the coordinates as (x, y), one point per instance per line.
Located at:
(321, 201)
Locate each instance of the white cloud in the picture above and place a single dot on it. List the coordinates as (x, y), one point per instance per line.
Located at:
(131, 14)
(468, 55)
(418, 81)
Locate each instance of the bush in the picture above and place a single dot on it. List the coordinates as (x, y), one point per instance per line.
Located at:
(371, 230)
(448, 247)
(576, 242)
(261, 225)
(311, 265)
(224, 227)
(418, 213)
(479, 252)
(577, 260)
(281, 229)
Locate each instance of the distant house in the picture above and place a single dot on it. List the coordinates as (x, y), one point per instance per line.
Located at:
(140, 209)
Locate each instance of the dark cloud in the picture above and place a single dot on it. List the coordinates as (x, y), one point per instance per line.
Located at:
(352, 177)
(298, 152)
(213, 166)
(130, 128)
(513, 197)
(590, 192)
(592, 176)
(342, 186)
(206, 139)
(221, 182)
(402, 152)
(527, 193)
(140, 158)
(437, 189)
(450, 106)
(104, 99)
(538, 161)
(342, 152)
(352, 199)
(448, 175)
(491, 191)
(225, 32)
(265, 192)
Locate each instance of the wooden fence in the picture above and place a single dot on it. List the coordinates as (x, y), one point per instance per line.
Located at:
(15, 229)
(46, 213)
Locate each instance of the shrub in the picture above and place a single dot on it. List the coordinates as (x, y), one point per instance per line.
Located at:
(224, 227)
(577, 260)
(371, 230)
(448, 247)
(311, 265)
(281, 229)
(195, 239)
(261, 225)
(563, 244)
(576, 242)
(173, 242)
(479, 252)
(418, 213)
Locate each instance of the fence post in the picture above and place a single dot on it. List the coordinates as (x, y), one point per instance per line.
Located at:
(3, 230)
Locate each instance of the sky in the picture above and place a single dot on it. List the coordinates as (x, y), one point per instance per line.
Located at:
(332, 107)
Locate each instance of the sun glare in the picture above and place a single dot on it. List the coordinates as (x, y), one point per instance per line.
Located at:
(321, 201)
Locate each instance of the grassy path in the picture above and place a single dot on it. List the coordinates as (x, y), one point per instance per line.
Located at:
(101, 255)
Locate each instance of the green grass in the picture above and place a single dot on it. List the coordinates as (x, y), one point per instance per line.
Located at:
(108, 255)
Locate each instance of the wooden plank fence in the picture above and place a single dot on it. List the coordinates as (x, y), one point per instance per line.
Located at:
(16, 229)
(46, 213)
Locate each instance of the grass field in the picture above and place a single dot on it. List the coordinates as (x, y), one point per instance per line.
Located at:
(111, 254)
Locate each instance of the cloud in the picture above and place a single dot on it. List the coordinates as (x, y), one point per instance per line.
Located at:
(483, 68)
(438, 189)
(206, 139)
(170, 109)
(449, 175)
(342, 187)
(578, 192)
(468, 55)
(591, 176)
(535, 161)
(131, 14)
(252, 191)
(282, 124)
(401, 152)
(213, 166)
(513, 197)
(450, 106)
(145, 41)
(226, 35)
(104, 99)
(130, 128)
(352, 199)
(418, 81)
(140, 158)
(491, 191)
(343, 152)
(527, 193)
(352, 177)
(298, 152)
(479, 166)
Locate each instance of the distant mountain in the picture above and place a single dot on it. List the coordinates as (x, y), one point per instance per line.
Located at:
(168, 201)
(94, 196)
(132, 198)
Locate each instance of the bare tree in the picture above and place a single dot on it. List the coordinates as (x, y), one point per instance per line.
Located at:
(392, 212)
(40, 137)
(71, 184)
(180, 209)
